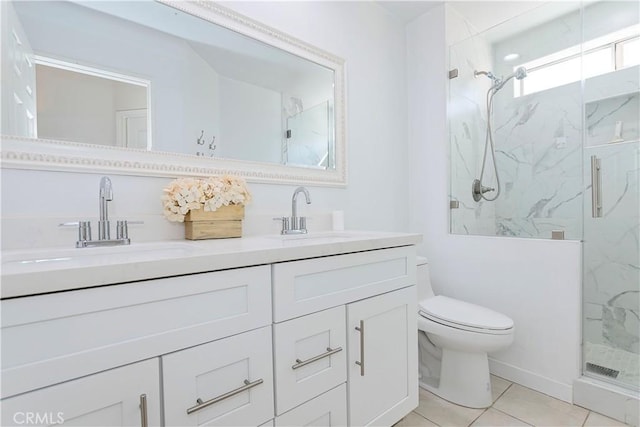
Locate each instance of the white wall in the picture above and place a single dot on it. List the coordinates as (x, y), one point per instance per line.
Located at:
(371, 42)
(535, 282)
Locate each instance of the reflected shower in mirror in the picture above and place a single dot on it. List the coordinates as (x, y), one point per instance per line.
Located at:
(153, 77)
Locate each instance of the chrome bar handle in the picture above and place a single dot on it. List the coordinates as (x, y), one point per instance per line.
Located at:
(361, 362)
(596, 188)
(201, 405)
(144, 420)
(330, 351)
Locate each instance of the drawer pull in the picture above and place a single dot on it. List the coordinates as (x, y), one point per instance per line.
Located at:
(361, 362)
(144, 421)
(330, 351)
(201, 405)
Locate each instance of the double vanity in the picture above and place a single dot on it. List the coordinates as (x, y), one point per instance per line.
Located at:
(317, 329)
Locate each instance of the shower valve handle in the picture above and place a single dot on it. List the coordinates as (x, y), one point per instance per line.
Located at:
(487, 189)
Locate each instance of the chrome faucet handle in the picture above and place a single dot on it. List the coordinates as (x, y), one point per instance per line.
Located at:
(84, 230)
(285, 223)
(302, 225)
(122, 229)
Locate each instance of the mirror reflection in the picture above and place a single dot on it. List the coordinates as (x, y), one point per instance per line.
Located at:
(144, 75)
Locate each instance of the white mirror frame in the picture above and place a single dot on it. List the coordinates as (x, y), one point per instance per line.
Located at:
(40, 154)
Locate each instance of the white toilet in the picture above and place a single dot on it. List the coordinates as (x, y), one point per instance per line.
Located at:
(454, 339)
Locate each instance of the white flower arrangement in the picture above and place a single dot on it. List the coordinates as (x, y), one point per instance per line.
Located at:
(186, 194)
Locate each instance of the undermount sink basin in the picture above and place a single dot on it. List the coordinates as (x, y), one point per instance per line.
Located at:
(63, 257)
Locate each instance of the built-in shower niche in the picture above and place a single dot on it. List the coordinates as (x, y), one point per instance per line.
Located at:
(613, 119)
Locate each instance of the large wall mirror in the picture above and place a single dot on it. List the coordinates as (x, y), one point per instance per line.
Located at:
(167, 88)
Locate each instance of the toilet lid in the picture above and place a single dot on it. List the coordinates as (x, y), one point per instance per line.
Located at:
(462, 313)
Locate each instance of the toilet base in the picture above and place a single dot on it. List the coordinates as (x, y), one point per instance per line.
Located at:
(464, 379)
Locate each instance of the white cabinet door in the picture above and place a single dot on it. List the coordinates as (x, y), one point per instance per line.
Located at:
(118, 397)
(383, 358)
(328, 409)
(228, 382)
(309, 357)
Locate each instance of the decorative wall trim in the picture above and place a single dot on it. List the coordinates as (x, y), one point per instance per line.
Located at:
(41, 154)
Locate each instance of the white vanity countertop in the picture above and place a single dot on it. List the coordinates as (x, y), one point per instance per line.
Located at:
(29, 272)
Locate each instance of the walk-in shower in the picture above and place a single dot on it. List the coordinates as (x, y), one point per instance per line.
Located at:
(477, 189)
(563, 133)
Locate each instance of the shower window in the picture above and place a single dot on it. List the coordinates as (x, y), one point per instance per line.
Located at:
(611, 52)
(629, 52)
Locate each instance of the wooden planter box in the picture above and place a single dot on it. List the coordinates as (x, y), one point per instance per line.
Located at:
(223, 223)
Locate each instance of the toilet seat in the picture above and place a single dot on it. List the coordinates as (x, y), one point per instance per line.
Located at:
(463, 315)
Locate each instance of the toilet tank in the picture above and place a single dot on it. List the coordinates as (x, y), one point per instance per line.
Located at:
(423, 279)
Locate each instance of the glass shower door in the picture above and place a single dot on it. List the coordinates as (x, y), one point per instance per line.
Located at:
(611, 249)
(612, 261)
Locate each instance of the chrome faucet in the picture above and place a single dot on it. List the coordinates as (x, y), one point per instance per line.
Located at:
(106, 195)
(295, 224)
(104, 225)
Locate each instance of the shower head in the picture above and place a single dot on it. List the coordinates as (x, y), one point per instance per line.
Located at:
(520, 73)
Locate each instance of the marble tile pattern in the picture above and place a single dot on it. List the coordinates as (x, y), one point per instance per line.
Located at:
(513, 405)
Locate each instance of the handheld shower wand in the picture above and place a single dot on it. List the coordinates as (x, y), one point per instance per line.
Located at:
(477, 189)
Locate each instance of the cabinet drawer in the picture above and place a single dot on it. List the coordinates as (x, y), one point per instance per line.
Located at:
(310, 356)
(116, 325)
(328, 409)
(223, 383)
(306, 286)
(110, 398)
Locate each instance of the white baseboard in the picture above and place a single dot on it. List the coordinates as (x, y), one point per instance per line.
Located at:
(532, 380)
(607, 399)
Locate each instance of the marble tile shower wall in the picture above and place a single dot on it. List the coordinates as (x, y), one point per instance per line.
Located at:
(539, 152)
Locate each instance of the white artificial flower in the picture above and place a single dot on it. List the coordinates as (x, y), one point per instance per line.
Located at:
(186, 194)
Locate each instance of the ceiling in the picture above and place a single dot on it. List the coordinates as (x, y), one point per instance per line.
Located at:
(407, 11)
(484, 14)
(479, 13)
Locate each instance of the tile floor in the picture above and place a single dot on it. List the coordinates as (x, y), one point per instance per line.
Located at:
(513, 405)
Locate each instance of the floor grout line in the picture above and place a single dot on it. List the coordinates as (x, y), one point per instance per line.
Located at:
(481, 413)
(513, 416)
(431, 421)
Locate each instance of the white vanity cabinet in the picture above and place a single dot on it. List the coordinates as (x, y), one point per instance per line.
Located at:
(125, 396)
(228, 382)
(328, 340)
(377, 293)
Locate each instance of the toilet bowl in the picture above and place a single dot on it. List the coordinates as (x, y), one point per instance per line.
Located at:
(454, 339)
